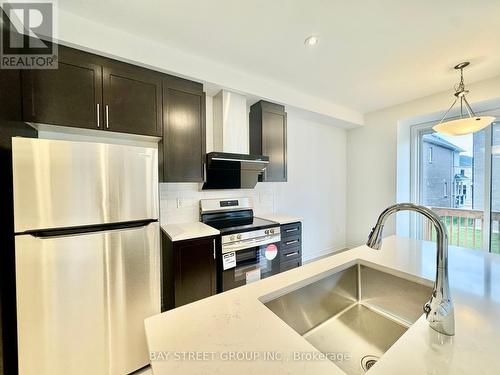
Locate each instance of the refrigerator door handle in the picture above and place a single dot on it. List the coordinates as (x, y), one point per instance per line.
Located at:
(89, 229)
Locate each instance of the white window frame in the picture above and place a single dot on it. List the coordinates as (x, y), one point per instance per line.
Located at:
(416, 133)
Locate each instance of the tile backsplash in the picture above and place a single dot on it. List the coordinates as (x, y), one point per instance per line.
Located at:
(180, 202)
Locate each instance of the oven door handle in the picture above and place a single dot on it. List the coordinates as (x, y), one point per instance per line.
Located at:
(254, 242)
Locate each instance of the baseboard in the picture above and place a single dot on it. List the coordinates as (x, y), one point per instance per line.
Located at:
(322, 253)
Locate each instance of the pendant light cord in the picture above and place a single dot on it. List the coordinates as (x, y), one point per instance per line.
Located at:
(460, 92)
(460, 88)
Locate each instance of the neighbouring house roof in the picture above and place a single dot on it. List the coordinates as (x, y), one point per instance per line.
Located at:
(465, 161)
(437, 140)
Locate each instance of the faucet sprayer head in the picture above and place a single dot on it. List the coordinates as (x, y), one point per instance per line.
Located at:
(375, 237)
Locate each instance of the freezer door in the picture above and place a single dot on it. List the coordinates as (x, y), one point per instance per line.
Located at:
(82, 301)
(60, 184)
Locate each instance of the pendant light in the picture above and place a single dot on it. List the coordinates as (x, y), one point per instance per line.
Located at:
(468, 123)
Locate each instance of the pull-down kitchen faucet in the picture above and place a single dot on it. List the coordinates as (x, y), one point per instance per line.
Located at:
(439, 309)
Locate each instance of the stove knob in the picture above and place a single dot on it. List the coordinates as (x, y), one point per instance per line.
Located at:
(272, 231)
(266, 231)
(232, 237)
(238, 236)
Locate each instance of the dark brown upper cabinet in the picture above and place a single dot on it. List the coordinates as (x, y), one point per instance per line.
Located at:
(132, 99)
(68, 96)
(183, 144)
(268, 137)
(90, 91)
(10, 96)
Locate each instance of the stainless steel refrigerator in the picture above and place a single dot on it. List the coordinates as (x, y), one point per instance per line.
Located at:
(87, 255)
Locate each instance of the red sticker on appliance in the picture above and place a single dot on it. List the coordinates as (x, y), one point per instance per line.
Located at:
(271, 251)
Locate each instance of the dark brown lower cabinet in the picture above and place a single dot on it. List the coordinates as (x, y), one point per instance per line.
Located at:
(188, 270)
(290, 264)
(291, 246)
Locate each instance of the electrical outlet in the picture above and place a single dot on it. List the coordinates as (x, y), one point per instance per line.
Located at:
(179, 202)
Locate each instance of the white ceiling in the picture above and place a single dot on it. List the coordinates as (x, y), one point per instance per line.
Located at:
(371, 54)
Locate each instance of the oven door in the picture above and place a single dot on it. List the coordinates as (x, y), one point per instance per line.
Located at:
(245, 263)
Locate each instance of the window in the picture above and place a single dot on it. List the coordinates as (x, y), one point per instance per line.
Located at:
(459, 178)
(495, 189)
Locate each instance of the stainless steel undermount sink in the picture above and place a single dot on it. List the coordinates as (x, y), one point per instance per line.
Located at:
(359, 311)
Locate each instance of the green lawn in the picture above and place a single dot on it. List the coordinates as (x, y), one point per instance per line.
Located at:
(453, 237)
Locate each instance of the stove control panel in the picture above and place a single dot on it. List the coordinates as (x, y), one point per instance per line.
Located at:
(234, 237)
(229, 203)
(251, 234)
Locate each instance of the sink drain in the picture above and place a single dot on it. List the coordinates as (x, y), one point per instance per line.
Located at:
(368, 361)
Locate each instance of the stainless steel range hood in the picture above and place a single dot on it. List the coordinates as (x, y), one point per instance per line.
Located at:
(230, 166)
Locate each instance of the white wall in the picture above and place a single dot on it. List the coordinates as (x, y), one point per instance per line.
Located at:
(372, 156)
(316, 187)
(95, 37)
(315, 191)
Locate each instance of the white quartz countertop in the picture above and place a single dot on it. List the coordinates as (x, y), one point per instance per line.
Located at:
(187, 231)
(281, 218)
(181, 340)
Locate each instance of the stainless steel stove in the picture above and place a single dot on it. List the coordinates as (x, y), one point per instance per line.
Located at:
(250, 246)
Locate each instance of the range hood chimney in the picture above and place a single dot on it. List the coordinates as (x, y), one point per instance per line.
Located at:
(230, 123)
(230, 166)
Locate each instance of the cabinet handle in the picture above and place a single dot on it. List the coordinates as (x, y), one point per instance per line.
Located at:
(291, 254)
(98, 116)
(292, 230)
(107, 116)
(214, 248)
(291, 242)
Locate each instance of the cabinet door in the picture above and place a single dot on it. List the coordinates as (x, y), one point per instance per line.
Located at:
(290, 264)
(195, 270)
(67, 96)
(183, 143)
(10, 96)
(290, 230)
(268, 137)
(274, 145)
(132, 99)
